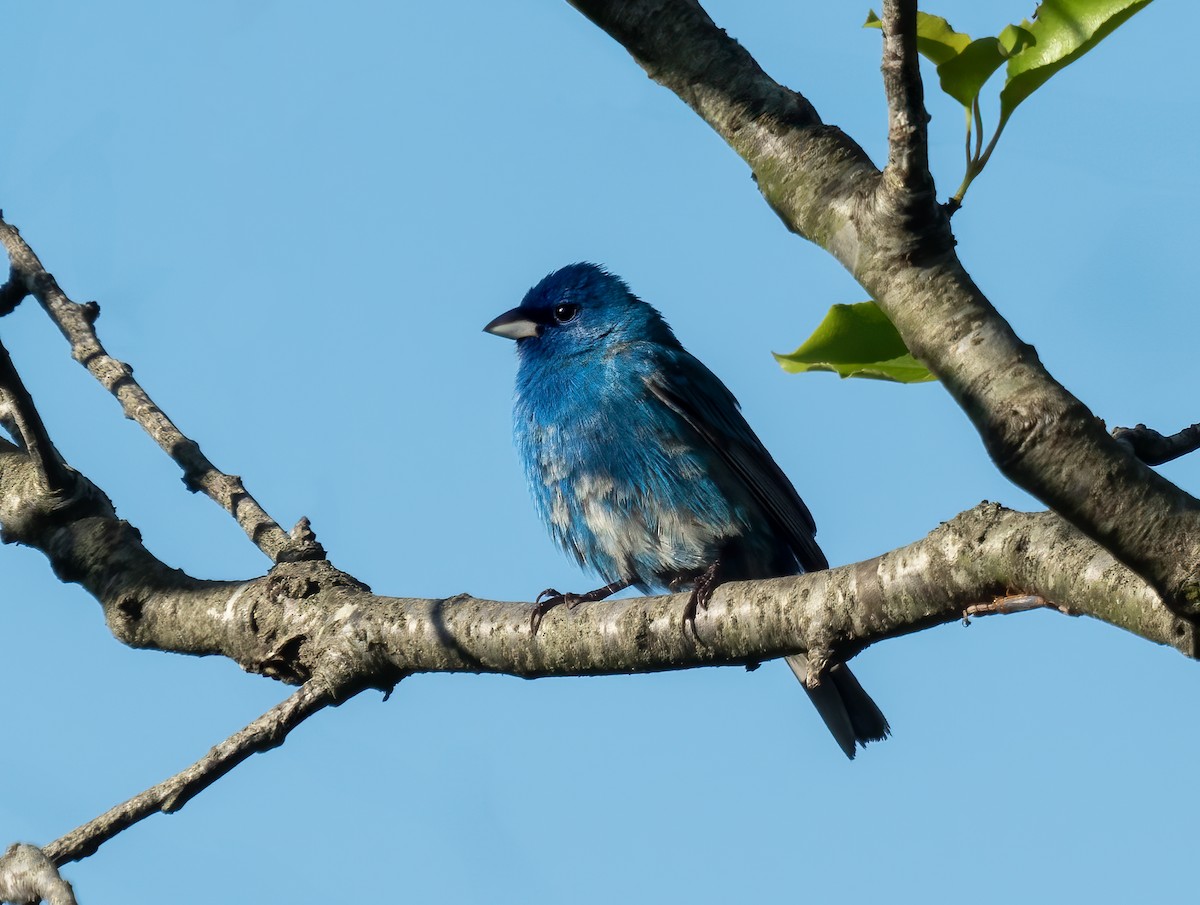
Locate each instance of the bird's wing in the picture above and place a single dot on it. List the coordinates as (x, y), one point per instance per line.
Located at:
(692, 391)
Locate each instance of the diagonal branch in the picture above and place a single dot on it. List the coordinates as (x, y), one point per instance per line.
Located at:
(29, 425)
(900, 248)
(908, 151)
(265, 733)
(77, 323)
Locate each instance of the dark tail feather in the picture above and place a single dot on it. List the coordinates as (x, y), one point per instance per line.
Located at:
(848, 711)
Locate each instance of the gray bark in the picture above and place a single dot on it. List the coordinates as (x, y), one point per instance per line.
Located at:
(1119, 544)
(890, 233)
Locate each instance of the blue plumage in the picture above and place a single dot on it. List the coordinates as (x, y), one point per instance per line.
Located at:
(642, 466)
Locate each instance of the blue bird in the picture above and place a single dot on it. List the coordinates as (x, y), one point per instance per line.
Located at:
(643, 468)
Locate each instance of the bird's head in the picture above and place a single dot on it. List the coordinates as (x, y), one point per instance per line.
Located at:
(578, 309)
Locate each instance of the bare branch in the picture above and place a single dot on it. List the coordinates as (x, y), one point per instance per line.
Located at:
(908, 152)
(1153, 448)
(301, 617)
(27, 875)
(306, 622)
(77, 324)
(901, 250)
(265, 733)
(32, 431)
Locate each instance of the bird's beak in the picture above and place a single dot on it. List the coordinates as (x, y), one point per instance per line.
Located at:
(515, 324)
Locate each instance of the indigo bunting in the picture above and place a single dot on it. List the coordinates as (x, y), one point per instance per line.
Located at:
(643, 468)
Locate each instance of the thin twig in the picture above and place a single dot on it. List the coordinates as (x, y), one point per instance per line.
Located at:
(265, 733)
(77, 324)
(1153, 448)
(908, 151)
(32, 431)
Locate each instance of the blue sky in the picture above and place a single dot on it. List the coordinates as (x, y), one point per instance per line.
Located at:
(298, 218)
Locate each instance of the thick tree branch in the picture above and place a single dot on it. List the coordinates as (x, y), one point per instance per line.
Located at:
(306, 622)
(899, 247)
(1153, 448)
(77, 324)
(28, 876)
(296, 621)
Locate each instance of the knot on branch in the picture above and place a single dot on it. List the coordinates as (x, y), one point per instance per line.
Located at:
(343, 645)
(304, 545)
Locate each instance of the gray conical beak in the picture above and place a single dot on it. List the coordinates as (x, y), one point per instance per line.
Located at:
(514, 324)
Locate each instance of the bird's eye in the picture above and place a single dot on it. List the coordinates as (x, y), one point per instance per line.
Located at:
(564, 314)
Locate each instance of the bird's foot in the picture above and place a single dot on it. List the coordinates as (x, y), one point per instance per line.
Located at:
(702, 591)
(541, 607)
(553, 599)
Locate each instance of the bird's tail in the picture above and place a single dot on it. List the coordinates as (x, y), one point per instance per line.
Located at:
(848, 711)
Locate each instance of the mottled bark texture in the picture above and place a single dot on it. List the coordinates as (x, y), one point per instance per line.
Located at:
(895, 239)
(27, 875)
(1118, 541)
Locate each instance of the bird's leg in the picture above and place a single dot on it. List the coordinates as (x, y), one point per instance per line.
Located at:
(702, 591)
(554, 598)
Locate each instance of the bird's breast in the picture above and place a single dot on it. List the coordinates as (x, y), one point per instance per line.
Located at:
(621, 487)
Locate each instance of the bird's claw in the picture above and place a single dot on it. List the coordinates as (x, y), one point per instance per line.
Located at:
(542, 607)
(702, 591)
(554, 598)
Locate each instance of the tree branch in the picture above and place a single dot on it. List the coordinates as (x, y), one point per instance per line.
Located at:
(265, 733)
(908, 153)
(306, 622)
(300, 618)
(27, 875)
(900, 248)
(30, 427)
(1153, 448)
(77, 324)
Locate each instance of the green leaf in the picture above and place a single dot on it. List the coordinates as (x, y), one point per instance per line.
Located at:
(936, 40)
(1062, 32)
(963, 75)
(856, 341)
(1014, 39)
(963, 65)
